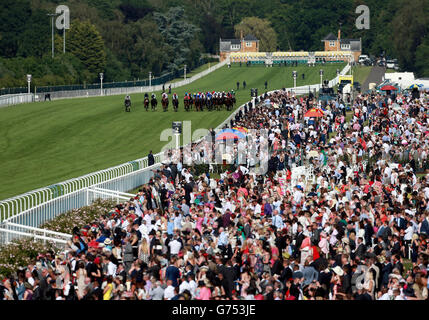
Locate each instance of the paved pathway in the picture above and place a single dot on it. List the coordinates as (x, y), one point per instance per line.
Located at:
(376, 76)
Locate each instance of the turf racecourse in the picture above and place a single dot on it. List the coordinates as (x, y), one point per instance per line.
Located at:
(47, 142)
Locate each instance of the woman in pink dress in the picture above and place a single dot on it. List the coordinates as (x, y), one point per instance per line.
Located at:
(200, 220)
(204, 293)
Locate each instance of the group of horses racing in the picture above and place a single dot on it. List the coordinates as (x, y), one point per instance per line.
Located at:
(199, 101)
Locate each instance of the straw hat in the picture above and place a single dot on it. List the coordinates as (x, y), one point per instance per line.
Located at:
(207, 283)
(27, 285)
(338, 270)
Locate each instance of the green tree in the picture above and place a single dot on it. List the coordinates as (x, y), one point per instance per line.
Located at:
(261, 29)
(177, 33)
(14, 15)
(422, 59)
(86, 43)
(410, 26)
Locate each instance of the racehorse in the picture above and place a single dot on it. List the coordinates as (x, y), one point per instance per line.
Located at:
(228, 103)
(153, 103)
(127, 105)
(198, 103)
(175, 102)
(164, 103)
(186, 102)
(146, 103)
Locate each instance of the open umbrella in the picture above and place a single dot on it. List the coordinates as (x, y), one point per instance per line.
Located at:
(415, 86)
(228, 134)
(388, 88)
(314, 113)
(241, 129)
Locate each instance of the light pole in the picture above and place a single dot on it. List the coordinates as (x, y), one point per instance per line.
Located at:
(28, 81)
(321, 77)
(185, 72)
(52, 15)
(177, 130)
(101, 83)
(150, 80)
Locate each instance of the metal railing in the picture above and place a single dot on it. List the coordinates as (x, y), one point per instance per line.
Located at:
(46, 211)
(164, 78)
(128, 87)
(94, 193)
(12, 99)
(38, 206)
(12, 231)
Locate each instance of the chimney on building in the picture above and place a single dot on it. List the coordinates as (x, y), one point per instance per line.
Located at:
(241, 41)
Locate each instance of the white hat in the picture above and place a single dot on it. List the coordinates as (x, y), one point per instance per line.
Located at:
(338, 270)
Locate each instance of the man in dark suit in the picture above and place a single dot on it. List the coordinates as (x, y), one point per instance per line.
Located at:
(360, 249)
(384, 231)
(385, 271)
(150, 158)
(37, 293)
(236, 267)
(315, 238)
(189, 186)
(369, 232)
(43, 283)
(228, 273)
(397, 263)
(287, 271)
(424, 228)
(400, 221)
(96, 291)
(298, 241)
(396, 247)
(173, 169)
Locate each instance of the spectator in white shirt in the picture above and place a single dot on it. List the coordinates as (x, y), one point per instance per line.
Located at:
(169, 291)
(175, 246)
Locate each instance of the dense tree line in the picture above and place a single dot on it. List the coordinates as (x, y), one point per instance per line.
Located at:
(126, 39)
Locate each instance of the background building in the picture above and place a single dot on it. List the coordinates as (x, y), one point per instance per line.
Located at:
(333, 43)
(247, 44)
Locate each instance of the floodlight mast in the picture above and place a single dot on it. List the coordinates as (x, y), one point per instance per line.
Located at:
(52, 15)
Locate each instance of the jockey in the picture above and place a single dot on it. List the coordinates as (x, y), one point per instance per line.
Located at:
(175, 97)
(146, 95)
(164, 95)
(127, 98)
(153, 96)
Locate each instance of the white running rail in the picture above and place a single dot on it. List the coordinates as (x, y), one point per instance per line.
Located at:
(13, 231)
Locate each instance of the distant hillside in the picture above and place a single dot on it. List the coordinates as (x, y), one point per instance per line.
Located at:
(126, 39)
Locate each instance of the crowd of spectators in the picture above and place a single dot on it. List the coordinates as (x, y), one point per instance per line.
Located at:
(341, 213)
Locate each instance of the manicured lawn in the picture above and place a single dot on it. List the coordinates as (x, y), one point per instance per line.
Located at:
(47, 142)
(360, 73)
